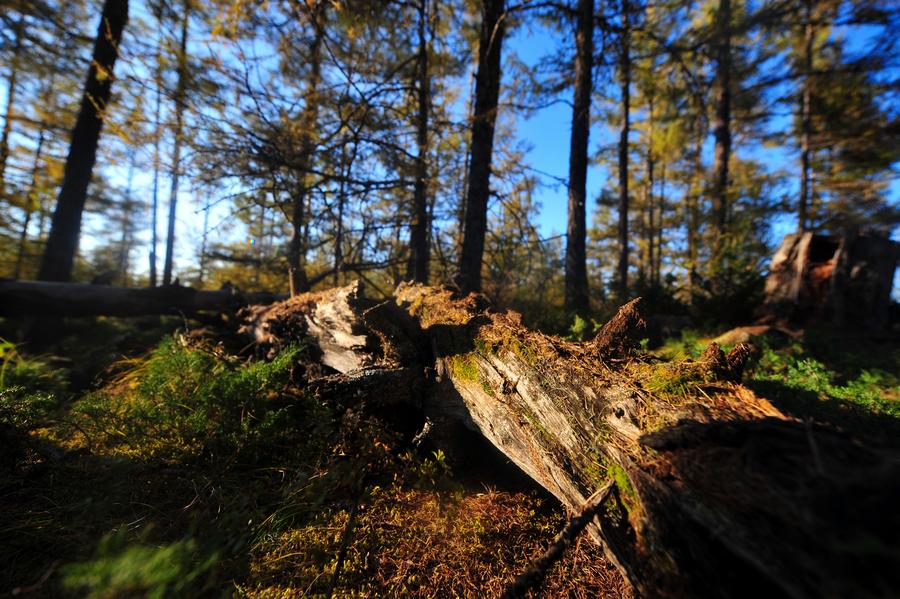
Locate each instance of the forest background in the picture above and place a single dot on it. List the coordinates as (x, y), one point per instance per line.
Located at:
(227, 119)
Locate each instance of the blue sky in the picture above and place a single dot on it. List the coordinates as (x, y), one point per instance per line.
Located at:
(546, 131)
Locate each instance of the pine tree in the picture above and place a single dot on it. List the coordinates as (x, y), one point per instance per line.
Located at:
(62, 244)
(577, 296)
(487, 91)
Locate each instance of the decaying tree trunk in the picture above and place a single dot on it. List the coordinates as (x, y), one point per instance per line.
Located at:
(41, 298)
(844, 280)
(716, 492)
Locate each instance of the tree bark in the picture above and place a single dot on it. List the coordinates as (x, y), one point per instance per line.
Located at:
(487, 93)
(51, 299)
(651, 217)
(660, 226)
(29, 198)
(11, 85)
(722, 130)
(62, 243)
(692, 218)
(806, 120)
(419, 232)
(157, 134)
(180, 106)
(296, 257)
(625, 58)
(576, 283)
(716, 492)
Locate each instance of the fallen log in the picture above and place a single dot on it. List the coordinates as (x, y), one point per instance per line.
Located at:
(716, 492)
(19, 298)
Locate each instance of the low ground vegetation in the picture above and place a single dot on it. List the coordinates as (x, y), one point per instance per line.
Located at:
(192, 471)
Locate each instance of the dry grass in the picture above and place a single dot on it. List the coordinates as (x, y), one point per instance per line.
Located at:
(415, 543)
(186, 477)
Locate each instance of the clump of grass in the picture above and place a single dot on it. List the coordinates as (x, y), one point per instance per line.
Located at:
(30, 391)
(121, 568)
(181, 403)
(677, 379)
(689, 345)
(33, 374)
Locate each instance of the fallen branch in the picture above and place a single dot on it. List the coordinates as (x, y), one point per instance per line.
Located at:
(532, 578)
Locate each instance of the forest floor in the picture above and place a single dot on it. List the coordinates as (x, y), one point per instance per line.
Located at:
(185, 470)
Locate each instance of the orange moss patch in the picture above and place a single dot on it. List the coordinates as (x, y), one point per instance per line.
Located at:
(417, 543)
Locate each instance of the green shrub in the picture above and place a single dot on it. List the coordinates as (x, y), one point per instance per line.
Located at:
(807, 387)
(182, 403)
(32, 374)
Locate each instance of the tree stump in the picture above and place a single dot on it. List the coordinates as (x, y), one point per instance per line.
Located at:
(843, 280)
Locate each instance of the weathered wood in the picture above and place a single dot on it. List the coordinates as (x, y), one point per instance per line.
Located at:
(844, 280)
(43, 298)
(717, 492)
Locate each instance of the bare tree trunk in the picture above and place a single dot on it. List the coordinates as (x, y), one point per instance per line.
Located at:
(806, 121)
(576, 284)
(62, 244)
(651, 224)
(299, 282)
(660, 225)
(180, 107)
(693, 211)
(127, 208)
(203, 257)
(157, 133)
(625, 58)
(35, 167)
(487, 92)
(11, 84)
(722, 132)
(419, 256)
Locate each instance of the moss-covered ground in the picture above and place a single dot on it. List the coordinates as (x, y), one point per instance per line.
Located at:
(185, 471)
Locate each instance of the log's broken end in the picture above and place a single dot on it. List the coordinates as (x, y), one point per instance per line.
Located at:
(624, 331)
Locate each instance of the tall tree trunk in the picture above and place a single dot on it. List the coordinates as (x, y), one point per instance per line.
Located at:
(660, 224)
(180, 100)
(29, 199)
(487, 93)
(127, 208)
(62, 243)
(722, 132)
(156, 139)
(346, 167)
(576, 284)
(203, 245)
(299, 282)
(419, 233)
(805, 121)
(651, 224)
(11, 84)
(622, 286)
(693, 210)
